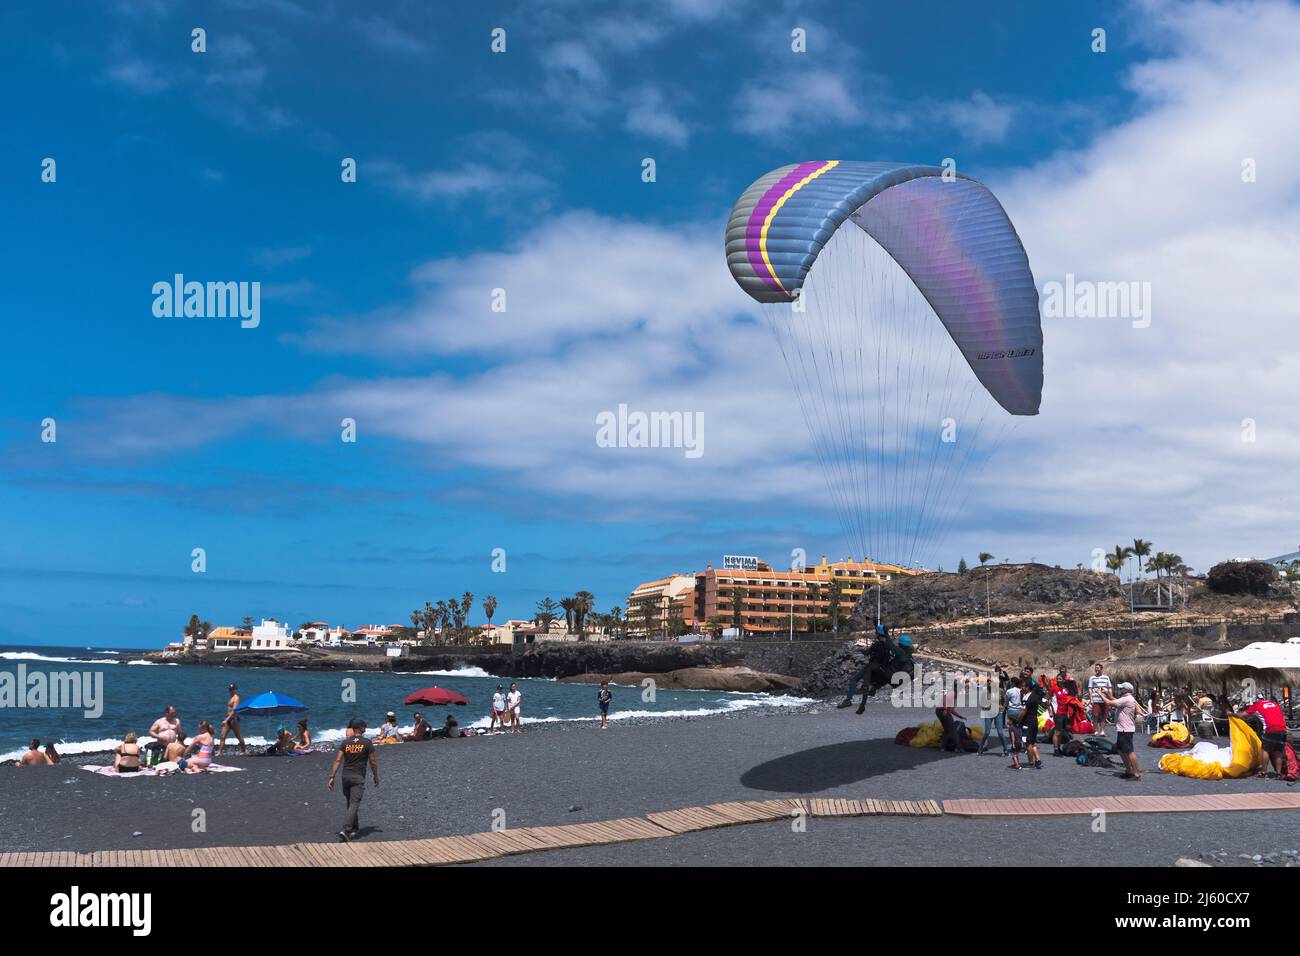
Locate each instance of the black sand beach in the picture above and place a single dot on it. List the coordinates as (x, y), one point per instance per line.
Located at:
(569, 773)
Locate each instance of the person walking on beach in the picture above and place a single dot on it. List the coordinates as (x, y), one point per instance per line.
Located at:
(604, 698)
(1127, 710)
(512, 706)
(231, 724)
(1097, 683)
(354, 753)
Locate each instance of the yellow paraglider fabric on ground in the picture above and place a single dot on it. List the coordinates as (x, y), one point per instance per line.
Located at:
(1174, 731)
(931, 735)
(1208, 762)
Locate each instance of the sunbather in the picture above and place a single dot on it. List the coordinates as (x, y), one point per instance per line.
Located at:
(126, 758)
(302, 739)
(33, 757)
(421, 730)
(198, 755)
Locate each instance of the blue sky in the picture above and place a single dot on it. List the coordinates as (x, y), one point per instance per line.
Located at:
(522, 170)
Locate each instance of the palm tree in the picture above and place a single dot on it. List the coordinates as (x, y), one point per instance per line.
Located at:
(417, 620)
(489, 608)
(584, 601)
(466, 605)
(1140, 550)
(985, 557)
(615, 619)
(1115, 560)
(569, 605)
(442, 618)
(834, 591)
(737, 610)
(546, 609)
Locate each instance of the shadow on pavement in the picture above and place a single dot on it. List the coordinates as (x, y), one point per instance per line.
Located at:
(837, 765)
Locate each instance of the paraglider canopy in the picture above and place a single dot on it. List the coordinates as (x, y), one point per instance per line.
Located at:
(903, 304)
(947, 232)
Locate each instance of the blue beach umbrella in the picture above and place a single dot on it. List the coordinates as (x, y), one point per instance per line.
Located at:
(270, 704)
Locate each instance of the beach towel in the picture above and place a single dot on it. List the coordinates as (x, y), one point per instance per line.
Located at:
(162, 770)
(1207, 761)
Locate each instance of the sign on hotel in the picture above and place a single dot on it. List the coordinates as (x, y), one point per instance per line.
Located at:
(739, 562)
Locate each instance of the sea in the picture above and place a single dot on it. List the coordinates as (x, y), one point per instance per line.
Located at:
(135, 692)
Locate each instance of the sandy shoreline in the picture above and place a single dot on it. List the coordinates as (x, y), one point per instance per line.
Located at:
(573, 772)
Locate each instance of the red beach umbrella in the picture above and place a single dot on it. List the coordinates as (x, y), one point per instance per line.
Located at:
(435, 697)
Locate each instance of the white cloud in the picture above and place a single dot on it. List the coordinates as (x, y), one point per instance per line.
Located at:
(1140, 431)
(649, 113)
(979, 119)
(137, 75)
(385, 35)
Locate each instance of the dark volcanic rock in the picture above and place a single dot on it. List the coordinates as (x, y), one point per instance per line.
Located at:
(831, 676)
(1011, 589)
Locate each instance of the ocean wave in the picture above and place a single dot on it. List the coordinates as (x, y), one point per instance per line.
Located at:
(33, 656)
(154, 663)
(461, 672)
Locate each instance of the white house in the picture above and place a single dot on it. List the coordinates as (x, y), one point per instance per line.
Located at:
(271, 635)
(316, 631)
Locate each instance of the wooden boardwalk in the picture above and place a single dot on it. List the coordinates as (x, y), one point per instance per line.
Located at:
(471, 848)
(443, 851)
(1136, 803)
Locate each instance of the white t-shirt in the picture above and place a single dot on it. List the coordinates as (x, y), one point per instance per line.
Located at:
(1015, 704)
(498, 701)
(512, 698)
(1096, 684)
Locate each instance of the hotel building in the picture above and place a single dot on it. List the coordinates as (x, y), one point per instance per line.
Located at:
(749, 595)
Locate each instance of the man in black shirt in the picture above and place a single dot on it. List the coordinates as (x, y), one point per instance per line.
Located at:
(354, 753)
(1034, 698)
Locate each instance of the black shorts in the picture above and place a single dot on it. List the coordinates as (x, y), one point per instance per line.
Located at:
(1030, 732)
(1274, 742)
(1124, 741)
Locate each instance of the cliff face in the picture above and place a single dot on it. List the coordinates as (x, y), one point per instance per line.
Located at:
(1012, 589)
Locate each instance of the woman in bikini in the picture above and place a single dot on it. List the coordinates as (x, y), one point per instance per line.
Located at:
(194, 762)
(302, 739)
(126, 758)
